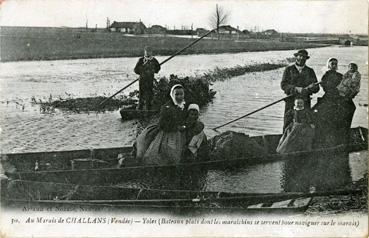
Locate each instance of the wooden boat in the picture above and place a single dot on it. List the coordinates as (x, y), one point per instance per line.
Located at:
(46, 193)
(114, 165)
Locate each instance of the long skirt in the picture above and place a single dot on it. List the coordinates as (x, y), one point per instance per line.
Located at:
(144, 140)
(333, 121)
(167, 148)
(297, 137)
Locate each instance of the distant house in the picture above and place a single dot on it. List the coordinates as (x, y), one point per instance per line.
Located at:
(228, 30)
(245, 34)
(353, 40)
(271, 33)
(128, 27)
(156, 29)
(201, 31)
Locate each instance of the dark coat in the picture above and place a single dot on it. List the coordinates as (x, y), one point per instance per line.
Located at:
(172, 117)
(328, 106)
(330, 80)
(291, 79)
(146, 72)
(333, 113)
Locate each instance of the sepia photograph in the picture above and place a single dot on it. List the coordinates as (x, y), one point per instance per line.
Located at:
(169, 118)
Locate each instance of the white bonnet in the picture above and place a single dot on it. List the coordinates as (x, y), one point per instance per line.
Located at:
(193, 107)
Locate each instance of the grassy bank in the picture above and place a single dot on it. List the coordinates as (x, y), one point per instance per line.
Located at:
(53, 44)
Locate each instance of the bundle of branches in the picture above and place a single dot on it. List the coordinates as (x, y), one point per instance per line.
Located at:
(197, 90)
(87, 104)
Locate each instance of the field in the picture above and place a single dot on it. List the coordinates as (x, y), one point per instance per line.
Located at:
(37, 43)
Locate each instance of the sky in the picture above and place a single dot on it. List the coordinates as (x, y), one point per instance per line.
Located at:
(300, 16)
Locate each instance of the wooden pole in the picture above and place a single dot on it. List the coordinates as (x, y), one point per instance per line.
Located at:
(248, 114)
(257, 110)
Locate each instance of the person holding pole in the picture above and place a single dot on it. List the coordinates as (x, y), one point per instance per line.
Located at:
(146, 67)
(298, 80)
(163, 62)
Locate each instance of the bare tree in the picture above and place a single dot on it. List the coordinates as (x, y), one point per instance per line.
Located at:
(218, 18)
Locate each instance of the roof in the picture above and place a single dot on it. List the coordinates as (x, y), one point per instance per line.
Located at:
(228, 28)
(270, 31)
(158, 26)
(126, 24)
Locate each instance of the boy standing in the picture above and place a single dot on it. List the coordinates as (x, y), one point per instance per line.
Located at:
(146, 67)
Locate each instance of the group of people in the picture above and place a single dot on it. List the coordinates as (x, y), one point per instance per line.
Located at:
(328, 122)
(179, 135)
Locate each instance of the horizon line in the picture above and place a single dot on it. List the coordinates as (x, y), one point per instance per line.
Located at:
(83, 27)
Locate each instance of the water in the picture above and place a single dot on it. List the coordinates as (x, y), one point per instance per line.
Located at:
(24, 128)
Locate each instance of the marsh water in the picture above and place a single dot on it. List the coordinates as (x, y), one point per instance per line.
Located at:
(24, 128)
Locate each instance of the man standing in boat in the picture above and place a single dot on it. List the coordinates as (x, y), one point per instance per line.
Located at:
(146, 67)
(298, 80)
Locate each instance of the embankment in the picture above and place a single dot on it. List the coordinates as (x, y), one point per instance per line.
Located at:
(43, 43)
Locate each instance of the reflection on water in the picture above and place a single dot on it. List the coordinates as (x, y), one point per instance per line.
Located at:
(253, 179)
(316, 174)
(300, 174)
(296, 175)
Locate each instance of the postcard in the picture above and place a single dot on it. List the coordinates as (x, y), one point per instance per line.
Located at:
(171, 118)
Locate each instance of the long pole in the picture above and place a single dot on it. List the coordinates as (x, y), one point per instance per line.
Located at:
(248, 114)
(163, 62)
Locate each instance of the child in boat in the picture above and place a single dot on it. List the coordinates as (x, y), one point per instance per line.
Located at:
(350, 84)
(195, 137)
(299, 134)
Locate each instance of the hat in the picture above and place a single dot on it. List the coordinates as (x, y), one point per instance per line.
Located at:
(193, 107)
(303, 53)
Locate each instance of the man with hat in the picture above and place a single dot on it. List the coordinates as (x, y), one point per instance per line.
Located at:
(146, 67)
(300, 81)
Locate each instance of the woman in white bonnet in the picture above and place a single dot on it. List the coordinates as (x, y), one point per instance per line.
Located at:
(168, 145)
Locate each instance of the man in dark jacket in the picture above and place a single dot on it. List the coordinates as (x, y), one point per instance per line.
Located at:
(146, 67)
(298, 80)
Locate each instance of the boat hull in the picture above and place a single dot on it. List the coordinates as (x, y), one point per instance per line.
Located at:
(22, 192)
(101, 166)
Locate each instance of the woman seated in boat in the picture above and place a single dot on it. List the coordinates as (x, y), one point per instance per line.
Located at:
(299, 134)
(333, 111)
(196, 141)
(165, 143)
